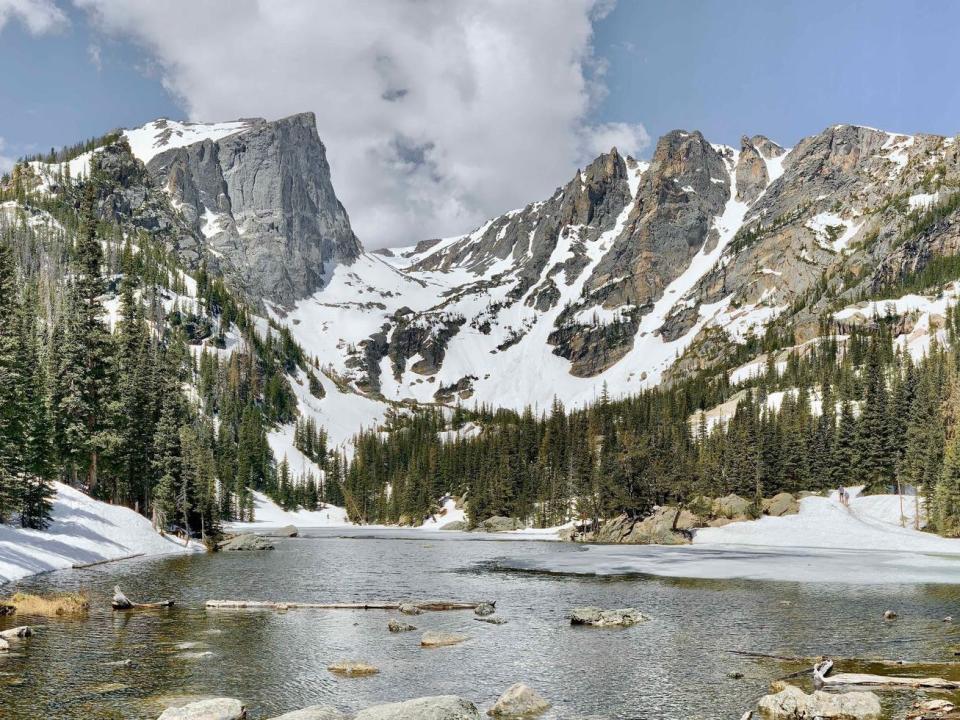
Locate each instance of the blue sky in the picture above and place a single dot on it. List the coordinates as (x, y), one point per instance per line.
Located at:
(491, 130)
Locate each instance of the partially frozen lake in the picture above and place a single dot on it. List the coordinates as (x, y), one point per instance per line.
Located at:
(675, 666)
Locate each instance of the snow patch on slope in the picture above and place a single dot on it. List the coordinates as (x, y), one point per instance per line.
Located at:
(155, 137)
(83, 531)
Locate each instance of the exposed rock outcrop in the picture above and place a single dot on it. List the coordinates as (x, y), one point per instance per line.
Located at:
(442, 707)
(212, 709)
(598, 617)
(519, 701)
(792, 703)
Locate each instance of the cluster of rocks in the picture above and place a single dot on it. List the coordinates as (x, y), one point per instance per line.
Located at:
(668, 525)
(244, 542)
(519, 701)
(495, 524)
(598, 617)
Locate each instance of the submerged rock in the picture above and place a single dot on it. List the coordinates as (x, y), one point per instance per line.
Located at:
(395, 626)
(519, 701)
(792, 703)
(245, 542)
(484, 609)
(441, 707)
(352, 668)
(491, 619)
(435, 638)
(212, 709)
(314, 712)
(598, 617)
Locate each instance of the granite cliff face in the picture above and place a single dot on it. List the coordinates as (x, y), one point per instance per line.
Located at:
(260, 195)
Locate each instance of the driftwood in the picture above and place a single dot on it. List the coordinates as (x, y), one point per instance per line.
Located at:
(80, 566)
(268, 605)
(122, 602)
(823, 678)
(813, 660)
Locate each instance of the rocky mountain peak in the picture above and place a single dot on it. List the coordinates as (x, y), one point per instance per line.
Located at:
(261, 195)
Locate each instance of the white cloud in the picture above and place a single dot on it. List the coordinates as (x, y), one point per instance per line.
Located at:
(628, 138)
(6, 162)
(39, 16)
(435, 115)
(94, 53)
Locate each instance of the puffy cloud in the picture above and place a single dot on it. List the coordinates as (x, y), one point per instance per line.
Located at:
(628, 138)
(435, 115)
(39, 16)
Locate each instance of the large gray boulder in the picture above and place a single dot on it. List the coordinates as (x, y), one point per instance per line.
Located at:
(456, 525)
(314, 712)
(211, 709)
(436, 638)
(245, 542)
(441, 707)
(287, 531)
(792, 703)
(598, 617)
(519, 701)
(499, 523)
(732, 506)
(781, 504)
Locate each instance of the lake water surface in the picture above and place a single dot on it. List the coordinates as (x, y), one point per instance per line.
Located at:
(676, 666)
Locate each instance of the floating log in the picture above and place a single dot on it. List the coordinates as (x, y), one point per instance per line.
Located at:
(122, 602)
(270, 605)
(822, 677)
(80, 566)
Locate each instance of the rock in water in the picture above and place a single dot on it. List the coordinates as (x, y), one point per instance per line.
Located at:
(792, 703)
(314, 712)
(889, 615)
(410, 609)
(442, 707)
(213, 709)
(484, 609)
(519, 701)
(353, 669)
(441, 639)
(395, 626)
(23, 631)
(492, 620)
(4, 645)
(597, 617)
(245, 542)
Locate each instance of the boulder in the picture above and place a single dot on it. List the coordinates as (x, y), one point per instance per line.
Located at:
(395, 626)
(4, 645)
(733, 507)
(314, 712)
(287, 531)
(567, 534)
(410, 609)
(435, 638)
(244, 542)
(665, 526)
(519, 701)
(442, 707)
(936, 708)
(459, 525)
(352, 668)
(614, 530)
(498, 523)
(889, 615)
(24, 631)
(212, 709)
(792, 703)
(598, 617)
(492, 620)
(484, 609)
(781, 504)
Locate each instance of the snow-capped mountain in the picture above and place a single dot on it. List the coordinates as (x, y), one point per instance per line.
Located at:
(627, 276)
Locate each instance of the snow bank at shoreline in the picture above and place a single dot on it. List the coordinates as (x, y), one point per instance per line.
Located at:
(267, 514)
(83, 531)
(869, 523)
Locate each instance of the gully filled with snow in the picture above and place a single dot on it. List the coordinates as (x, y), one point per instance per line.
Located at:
(673, 666)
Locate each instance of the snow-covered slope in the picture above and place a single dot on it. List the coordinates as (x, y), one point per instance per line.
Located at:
(83, 531)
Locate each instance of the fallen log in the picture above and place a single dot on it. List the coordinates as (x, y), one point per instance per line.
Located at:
(122, 602)
(80, 566)
(823, 678)
(271, 605)
(812, 660)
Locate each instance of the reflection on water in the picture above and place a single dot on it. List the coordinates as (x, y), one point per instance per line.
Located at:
(672, 667)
